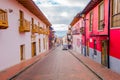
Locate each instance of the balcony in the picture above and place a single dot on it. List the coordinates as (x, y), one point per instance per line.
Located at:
(40, 30)
(46, 31)
(3, 19)
(24, 26)
(35, 28)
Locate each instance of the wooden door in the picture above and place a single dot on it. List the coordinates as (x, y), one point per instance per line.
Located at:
(22, 52)
(33, 49)
(39, 45)
(104, 53)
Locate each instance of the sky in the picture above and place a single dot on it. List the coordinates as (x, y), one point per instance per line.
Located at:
(61, 12)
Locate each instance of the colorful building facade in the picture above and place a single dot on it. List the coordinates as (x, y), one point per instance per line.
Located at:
(51, 37)
(76, 24)
(24, 31)
(100, 32)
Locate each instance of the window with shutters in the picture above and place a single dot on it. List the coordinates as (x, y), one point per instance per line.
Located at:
(101, 16)
(91, 21)
(3, 19)
(24, 24)
(115, 13)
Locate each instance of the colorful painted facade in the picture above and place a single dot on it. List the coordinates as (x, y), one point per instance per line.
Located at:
(100, 32)
(76, 24)
(51, 38)
(24, 32)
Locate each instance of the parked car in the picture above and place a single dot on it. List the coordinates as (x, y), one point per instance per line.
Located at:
(65, 47)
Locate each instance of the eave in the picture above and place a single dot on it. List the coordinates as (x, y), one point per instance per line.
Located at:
(31, 6)
(75, 19)
(90, 6)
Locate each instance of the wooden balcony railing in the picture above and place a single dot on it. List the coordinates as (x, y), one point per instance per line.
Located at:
(24, 26)
(40, 30)
(3, 19)
(43, 31)
(46, 32)
(35, 28)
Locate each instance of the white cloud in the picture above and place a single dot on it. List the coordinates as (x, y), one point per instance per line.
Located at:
(71, 3)
(61, 12)
(64, 14)
(60, 27)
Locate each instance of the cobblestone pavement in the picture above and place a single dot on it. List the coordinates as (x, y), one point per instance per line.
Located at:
(58, 65)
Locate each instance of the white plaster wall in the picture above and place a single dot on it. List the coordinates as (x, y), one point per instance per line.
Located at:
(75, 47)
(11, 39)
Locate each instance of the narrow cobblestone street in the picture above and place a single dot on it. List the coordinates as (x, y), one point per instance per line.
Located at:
(58, 65)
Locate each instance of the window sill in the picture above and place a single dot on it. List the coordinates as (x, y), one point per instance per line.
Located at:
(115, 28)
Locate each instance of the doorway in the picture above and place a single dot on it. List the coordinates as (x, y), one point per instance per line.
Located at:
(95, 46)
(22, 52)
(39, 45)
(33, 49)
(104, 53)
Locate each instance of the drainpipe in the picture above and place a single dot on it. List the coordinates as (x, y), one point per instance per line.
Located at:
(85, 35)
(108, 57)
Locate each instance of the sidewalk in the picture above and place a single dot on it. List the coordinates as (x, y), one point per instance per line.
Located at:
(16, 69)
(103, 72)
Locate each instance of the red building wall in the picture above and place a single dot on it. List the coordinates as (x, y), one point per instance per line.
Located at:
(95, 31)
(115, 43)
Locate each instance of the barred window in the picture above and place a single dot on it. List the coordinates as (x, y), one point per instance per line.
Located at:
(91, 21)
(116, 13)
(101, 16)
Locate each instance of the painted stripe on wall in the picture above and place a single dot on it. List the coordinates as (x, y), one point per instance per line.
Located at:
(115, 64)
(97, 57)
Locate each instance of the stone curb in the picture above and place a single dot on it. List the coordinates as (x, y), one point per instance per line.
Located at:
(92, 70)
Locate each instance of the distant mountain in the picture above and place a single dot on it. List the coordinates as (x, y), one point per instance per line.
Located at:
(60, 33)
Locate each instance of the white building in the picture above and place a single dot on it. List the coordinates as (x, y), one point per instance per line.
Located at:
(23, 32)
(76, 36)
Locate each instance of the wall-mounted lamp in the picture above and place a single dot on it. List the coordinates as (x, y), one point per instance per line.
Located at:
(10, 10)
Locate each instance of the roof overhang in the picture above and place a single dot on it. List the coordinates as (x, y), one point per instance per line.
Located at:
(31, 6)
(76, 19)
(90, 6)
